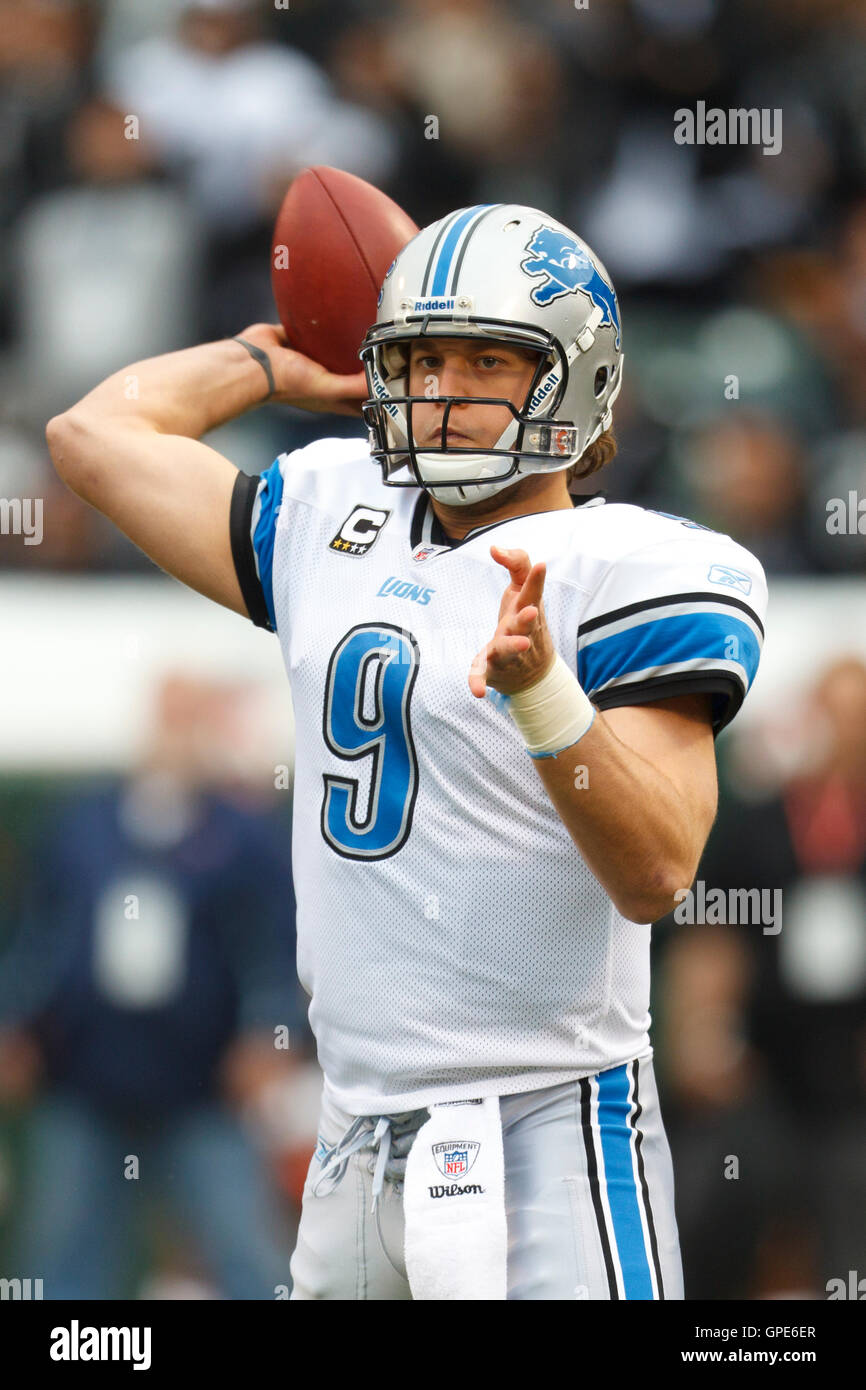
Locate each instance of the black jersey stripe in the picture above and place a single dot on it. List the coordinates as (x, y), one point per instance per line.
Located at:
(665, 601)
(638, 1140)
(491, 525)
(594, 1188)
(438, 535)
(419, 511)
(668, 687)
(240, 520)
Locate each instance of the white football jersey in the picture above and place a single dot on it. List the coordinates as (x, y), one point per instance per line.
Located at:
(452, 939)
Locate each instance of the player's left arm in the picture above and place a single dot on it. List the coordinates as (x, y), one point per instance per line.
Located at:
(637, 792)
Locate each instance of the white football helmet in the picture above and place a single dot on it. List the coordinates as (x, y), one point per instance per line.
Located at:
(506, 273)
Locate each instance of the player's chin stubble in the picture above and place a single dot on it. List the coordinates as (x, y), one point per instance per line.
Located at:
(520, 491)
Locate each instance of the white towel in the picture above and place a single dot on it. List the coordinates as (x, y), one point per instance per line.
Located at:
(454, 1204)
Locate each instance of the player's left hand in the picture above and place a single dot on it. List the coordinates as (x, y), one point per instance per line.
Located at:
(521, 650)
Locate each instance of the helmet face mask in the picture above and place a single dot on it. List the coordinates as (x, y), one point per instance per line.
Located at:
(407, 462)
(571, 321)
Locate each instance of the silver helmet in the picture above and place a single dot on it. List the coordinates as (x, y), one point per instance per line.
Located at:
(511, 274)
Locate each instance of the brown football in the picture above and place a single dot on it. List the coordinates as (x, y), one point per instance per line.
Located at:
(334, 238)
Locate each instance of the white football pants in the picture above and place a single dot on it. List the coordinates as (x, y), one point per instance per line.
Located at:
(589, 1196)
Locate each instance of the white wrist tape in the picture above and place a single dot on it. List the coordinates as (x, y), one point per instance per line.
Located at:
(552, 714)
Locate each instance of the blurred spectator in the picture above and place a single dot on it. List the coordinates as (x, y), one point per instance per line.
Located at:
(45, 46)
(44, 53)
(823, 292)
(234, 115)
(825, 71)
(669, 214)
(239, 114)
(125, 22)
(483, 122)
(494, 88)
(107, 271)
(747, 475)
(150, 1000)
(765, 1028)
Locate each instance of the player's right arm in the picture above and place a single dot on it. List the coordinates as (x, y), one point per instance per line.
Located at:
(131, 447)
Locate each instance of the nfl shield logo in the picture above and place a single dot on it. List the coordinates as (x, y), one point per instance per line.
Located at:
(455, 1157)
(428, 552)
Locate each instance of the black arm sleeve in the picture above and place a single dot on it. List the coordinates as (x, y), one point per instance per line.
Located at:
(726, 690)
(240, 517)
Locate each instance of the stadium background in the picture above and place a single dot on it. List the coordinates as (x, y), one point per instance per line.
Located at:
(127, 701)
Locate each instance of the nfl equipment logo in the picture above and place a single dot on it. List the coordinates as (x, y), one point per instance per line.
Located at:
(428, 552)
(456, 1157)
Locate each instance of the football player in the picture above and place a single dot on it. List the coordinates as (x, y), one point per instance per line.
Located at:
(506, 700)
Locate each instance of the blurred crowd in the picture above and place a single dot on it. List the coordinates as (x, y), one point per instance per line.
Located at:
(158, 1082)
(146, 148)
(760, 1009)
(145, 151)
(157, 1073)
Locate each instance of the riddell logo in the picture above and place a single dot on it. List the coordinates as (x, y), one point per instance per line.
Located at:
(425, 306)
(455, 1190)
(544, 390)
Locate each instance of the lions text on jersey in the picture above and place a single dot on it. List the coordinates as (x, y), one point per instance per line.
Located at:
(452, 939)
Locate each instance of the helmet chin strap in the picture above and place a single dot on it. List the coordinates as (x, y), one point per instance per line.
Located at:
(467, 493)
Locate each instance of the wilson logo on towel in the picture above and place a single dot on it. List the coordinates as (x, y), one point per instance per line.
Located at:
(456, 1157)
(455, 1190)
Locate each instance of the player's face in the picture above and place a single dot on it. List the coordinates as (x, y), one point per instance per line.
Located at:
(466, 367)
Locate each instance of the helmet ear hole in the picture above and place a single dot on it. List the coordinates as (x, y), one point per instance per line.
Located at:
(601, 377)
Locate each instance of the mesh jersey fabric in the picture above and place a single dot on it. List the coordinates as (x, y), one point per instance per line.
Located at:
(451, 937)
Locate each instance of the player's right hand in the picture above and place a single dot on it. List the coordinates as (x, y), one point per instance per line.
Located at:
(303, 383)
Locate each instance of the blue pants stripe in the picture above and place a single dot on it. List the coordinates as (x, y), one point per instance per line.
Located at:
(616, 1139)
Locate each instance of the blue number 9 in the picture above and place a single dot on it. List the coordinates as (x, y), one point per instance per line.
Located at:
(389, 657)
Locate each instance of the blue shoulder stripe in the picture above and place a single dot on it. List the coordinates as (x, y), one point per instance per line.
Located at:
(269, 500)
(665, 642)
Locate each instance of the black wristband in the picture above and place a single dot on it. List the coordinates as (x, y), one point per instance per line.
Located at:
(263, 360)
